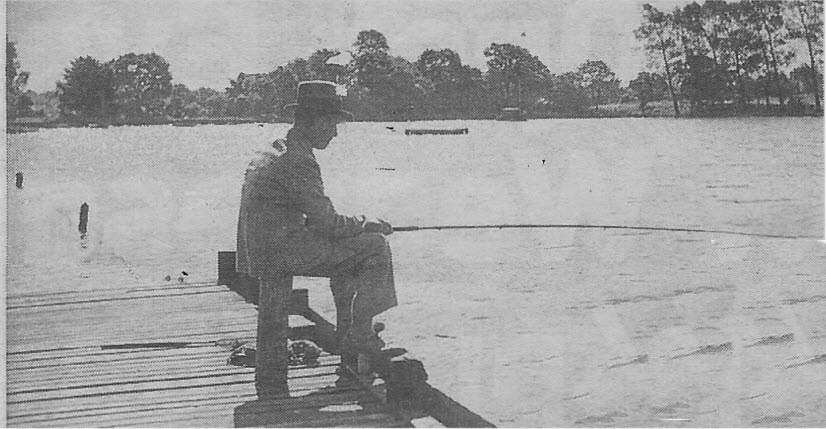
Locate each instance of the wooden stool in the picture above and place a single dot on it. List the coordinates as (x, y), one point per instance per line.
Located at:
(276, 301)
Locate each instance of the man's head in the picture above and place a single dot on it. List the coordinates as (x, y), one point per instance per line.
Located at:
(319, 128)
(318, 111)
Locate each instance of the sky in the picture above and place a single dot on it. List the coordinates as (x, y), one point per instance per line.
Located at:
(209, 42)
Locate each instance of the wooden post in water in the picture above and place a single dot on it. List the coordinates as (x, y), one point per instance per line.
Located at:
(84, 218)
(18, 180)
(271, 354)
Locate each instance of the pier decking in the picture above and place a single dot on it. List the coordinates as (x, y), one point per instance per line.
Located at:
(157, 356)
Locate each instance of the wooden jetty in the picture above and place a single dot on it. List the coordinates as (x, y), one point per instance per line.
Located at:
(438, 132)
(157, 356)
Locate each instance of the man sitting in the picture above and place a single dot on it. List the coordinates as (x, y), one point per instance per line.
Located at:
(288, 226)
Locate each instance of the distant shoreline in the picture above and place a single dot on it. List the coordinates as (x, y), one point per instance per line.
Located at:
(22, 126)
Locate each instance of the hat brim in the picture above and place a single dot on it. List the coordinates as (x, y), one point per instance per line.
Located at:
(340, 113)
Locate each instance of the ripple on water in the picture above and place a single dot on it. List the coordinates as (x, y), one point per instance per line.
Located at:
(784, 418)
(671, 408)
(707, 350)
(641, 359)
(605, 419)
(815, 360)
(773, 339)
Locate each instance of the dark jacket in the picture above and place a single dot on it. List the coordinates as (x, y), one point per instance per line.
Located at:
(282, 206)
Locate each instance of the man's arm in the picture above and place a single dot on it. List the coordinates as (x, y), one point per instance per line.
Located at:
(307, 190)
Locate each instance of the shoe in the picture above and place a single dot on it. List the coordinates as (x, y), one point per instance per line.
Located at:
(368, 345)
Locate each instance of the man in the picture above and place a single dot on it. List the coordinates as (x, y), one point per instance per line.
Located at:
(287, 225)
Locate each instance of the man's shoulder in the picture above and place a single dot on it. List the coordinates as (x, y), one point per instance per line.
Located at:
(277, 156)
(268, 156)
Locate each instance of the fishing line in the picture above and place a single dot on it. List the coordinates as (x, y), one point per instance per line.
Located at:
(587, 226)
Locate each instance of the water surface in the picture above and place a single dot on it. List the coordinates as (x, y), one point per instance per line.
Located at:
(566, 327)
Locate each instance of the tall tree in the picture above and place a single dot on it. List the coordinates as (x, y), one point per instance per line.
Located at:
(514, 68)
(449, 84)
(597, 78)
(807, 24)
(214, 102)
(567, 97)
(737, 48)
(182, 103)
(703, 81)
(371, 63)
(442, 67)
(15, 80)
(648, 87)
(766, 16)
(660, 43)
(142, 83)
(87, 91)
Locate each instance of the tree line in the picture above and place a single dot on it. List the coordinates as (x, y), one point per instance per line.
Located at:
(720, 54)
(712, 57)
(139, 88)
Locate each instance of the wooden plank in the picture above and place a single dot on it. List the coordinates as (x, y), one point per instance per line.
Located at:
(253, 414)
(126, 402)
(295, 406)
(144, 331)
(45, 302)
(90, 327)
(127, 367)
(85, 357)
(106, 295)
(135, 374)
(299, 372)
(91, 320)
(195, 393)
(222, 335)
(114, 289)
(161, 384)
(153, 413)
(366, 420)
(39, 351)
(112, 311)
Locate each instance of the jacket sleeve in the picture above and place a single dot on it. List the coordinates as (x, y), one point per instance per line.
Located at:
(307, 191)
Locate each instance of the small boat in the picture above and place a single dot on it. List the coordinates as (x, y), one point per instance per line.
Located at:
(512, 114)
(449, 131)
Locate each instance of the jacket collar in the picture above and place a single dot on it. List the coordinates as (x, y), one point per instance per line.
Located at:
(298, 140)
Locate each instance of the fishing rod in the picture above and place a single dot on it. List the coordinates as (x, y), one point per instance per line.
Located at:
(585, 226)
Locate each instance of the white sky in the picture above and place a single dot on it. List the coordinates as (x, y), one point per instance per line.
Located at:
(209, 42)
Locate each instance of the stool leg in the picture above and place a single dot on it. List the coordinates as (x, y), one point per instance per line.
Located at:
(271, 355)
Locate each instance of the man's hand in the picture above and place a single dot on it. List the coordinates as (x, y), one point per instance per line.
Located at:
(378, 225)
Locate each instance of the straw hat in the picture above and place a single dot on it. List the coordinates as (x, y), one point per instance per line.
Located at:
(319, 96)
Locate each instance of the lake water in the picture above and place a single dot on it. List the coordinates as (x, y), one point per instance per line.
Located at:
(559, 327)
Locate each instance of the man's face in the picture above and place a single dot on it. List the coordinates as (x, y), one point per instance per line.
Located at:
(324, 129)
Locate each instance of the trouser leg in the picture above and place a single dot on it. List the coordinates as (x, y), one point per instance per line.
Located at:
(374, 285)
(343, 298)
(360, 270)
(363, 285)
